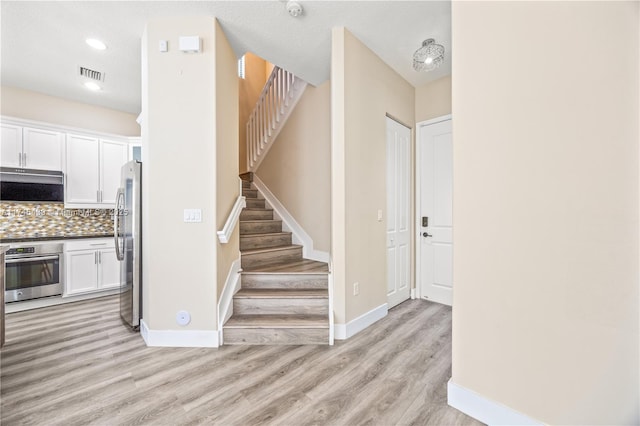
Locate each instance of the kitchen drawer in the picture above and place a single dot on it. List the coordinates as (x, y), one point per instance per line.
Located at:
(89, 244)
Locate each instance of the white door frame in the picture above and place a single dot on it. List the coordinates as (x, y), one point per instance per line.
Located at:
(408, 230)
(418, 189)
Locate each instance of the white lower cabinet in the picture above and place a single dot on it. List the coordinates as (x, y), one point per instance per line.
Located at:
(109, 271)
(90, 266)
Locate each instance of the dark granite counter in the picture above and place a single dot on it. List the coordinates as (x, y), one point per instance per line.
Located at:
(13, 239)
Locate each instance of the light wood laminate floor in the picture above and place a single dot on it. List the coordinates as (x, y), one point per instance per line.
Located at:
(77, 364)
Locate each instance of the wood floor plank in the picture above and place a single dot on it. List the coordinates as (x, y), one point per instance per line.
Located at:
(77, 364)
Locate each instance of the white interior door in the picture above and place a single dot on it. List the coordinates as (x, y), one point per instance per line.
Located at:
(434, 211)
(398, 212)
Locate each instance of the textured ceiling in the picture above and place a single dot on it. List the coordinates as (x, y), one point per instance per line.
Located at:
(43, 42)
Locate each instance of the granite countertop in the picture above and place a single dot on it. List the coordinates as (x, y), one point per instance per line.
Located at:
(24, 239)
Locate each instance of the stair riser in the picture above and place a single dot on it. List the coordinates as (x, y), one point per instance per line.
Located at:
(260, 228)
(255, 203)
(248, 242)
(256, 214)
(286, 306)
(290, 281)
(246, 185)
(250, 193)
(276, 336)
(269, 258)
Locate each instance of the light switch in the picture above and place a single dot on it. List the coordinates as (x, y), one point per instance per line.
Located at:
(192, 215)
(379, 215)
(163, 46)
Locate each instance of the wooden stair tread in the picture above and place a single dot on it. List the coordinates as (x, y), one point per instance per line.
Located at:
(259, 209)
(277, 293)
(266, 234)
(259, 220)
(277, 321)
(269, 249)
(302, 266)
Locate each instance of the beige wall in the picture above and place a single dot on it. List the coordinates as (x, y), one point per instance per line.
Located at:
(433, 99)
(545, 317)
(297, 168)
(250, 89)
(180, 171)
(359, 107)
(36, 106)
(227, 180)
(268, 69)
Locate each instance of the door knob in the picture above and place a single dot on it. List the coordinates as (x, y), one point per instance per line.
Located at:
(426, 234)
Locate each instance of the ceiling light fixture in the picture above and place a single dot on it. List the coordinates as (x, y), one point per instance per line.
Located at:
(96, 44)
(429, 56)
(92, 86)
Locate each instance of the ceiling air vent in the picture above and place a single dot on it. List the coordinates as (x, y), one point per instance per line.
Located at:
(92, 74)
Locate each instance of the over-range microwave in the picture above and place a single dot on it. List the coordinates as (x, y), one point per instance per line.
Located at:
(31, 185)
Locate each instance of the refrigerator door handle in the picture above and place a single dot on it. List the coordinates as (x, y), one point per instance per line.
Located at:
(116, 222)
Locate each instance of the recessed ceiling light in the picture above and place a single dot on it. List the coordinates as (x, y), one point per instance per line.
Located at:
(92, 86)
(96, 44)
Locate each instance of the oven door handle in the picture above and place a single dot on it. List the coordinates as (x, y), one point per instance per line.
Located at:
(32, 258)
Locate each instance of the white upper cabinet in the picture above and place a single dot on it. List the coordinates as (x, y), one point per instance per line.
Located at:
(42, 149)
(11, 146)
(32, 148)
(82, 179)
(93, 171)
(112, 156)
(91, 163)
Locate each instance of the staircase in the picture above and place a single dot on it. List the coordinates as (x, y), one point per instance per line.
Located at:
(283, 298)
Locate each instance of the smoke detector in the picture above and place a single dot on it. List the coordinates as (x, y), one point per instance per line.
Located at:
(294, 8)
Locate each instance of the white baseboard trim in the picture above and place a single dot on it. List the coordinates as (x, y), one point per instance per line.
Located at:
(290, 224)
(179, 338)
(345, 331)
(225, 304)
(483, 409)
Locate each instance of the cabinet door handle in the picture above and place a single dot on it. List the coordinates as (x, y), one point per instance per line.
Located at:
(99, 257)
(19, 159)
(95, 258)
(98, 196)
(24, 163)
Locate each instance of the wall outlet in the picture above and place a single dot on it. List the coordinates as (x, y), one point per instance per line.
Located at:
(356, 288)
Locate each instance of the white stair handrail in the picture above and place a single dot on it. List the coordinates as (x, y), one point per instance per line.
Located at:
(224, 235)
(280, 94)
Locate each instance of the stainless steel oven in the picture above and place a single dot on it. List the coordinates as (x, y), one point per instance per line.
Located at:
(33, 270)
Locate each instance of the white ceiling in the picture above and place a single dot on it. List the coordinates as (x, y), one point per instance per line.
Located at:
(43, 43)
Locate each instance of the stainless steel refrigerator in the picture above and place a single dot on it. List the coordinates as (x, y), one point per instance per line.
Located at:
(128, 235)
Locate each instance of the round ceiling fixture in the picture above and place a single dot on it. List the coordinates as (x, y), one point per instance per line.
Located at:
(429, 56)
(294, 8)
(92, 86)
(96, 44)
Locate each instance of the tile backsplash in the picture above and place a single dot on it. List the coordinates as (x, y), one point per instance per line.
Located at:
(32, 220)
